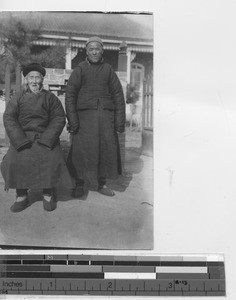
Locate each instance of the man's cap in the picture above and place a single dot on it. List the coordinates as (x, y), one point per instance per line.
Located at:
(34, 67)
(94, 39)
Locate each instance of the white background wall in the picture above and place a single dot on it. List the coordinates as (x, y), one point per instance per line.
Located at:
(195, 123)
(196, 129)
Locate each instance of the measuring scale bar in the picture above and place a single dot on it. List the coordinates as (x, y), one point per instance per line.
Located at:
(96, 275)
(113, 287)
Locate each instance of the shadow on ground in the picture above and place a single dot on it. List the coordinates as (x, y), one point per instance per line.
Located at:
(133, 165)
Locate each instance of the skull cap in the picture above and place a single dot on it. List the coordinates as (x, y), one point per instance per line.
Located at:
(94, 39)
(34, 67)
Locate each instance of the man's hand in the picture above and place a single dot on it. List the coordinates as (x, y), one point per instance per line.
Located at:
(120, 129)
(70, 130)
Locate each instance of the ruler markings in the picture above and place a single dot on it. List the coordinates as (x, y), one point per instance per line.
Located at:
(185, 276)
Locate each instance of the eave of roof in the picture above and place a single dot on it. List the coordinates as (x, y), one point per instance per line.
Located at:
(77, 27)
(116, 26)
(107, 46)
(122, 26)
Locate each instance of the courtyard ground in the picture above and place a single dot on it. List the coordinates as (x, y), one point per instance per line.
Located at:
(124, 221)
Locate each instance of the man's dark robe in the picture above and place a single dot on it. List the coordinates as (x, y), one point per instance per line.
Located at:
(38, 119)
(95, 109)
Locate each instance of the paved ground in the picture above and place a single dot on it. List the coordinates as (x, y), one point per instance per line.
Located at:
(124, 221)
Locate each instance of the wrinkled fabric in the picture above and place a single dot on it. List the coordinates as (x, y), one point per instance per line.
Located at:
(35, 113)
(95, 109)
(90, 84)
(37, 119)
(35, 168)
(95, 149)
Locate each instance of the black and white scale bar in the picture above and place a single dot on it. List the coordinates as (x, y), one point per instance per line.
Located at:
(50, 271)
(112, 275)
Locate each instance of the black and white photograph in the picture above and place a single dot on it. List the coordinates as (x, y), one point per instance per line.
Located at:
(117, 136)
(76, 129)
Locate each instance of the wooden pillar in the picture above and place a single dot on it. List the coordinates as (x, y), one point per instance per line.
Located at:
(68, 58)
(122, 74)
(122, 59)
(70, 55)
(128, 66)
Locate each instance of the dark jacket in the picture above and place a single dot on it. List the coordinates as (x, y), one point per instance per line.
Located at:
(34, 159)
(29, 115)
(90, 83)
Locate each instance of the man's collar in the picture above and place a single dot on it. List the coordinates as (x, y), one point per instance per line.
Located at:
(92, 63)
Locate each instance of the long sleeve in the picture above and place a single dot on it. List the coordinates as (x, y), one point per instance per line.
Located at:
(56, 124)
(118, 98)
(14, 131)
(72, 90)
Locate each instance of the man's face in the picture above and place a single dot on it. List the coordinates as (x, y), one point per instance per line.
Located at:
(94, 51)
(34, 80)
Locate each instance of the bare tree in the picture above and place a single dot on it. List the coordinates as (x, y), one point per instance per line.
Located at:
(18, 34)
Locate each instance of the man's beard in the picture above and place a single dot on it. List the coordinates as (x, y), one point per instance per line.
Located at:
(35, 88)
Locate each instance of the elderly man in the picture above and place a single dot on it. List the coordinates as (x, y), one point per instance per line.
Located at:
(95, 109)
(34, 120)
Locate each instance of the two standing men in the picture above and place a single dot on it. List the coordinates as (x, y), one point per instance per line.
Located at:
(95, 109)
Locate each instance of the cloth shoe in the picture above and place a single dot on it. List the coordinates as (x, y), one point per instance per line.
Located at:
(104, 190)
(21, 204)
(49, 202)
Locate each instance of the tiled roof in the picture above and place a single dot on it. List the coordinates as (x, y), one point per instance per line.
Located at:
(116, 26)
